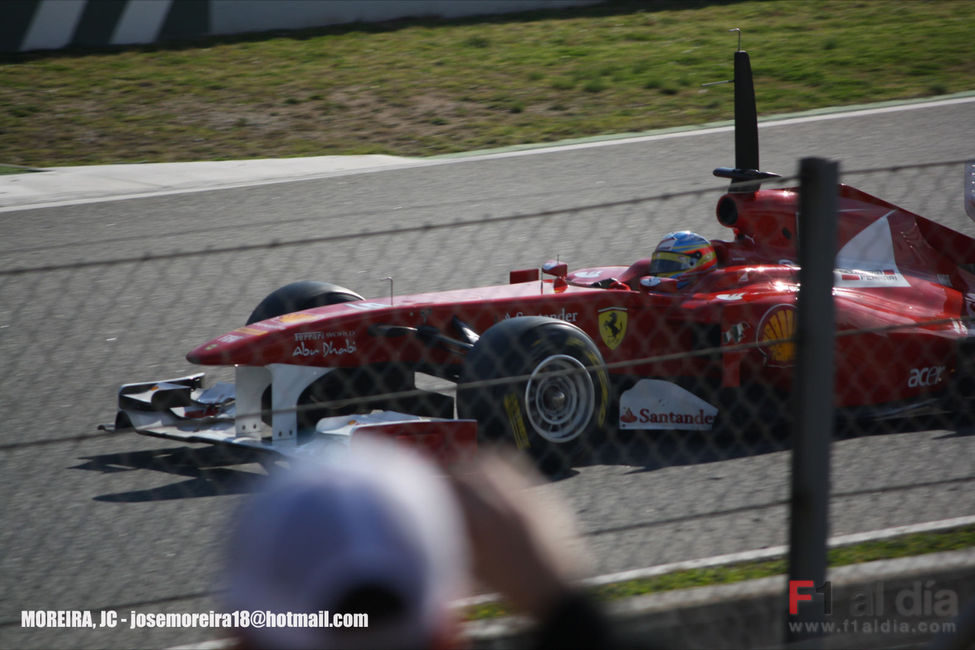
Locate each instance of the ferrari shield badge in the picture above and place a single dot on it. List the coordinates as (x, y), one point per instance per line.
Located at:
(612, 326)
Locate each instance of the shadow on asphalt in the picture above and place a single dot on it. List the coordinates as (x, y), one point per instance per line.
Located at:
(652, 450)
(215, 471)
(211, 471)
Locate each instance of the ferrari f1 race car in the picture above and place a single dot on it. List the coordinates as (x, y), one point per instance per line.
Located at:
(554, 358)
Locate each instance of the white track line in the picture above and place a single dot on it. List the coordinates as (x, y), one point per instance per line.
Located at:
(338, 169)
(773, 552)
(814, 116)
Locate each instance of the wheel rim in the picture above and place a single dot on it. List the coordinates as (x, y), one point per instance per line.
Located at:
(560, 398)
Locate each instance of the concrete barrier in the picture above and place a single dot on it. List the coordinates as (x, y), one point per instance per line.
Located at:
(27, 25)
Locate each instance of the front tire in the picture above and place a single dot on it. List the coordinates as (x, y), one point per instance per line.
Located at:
(338, 384)
(298, 296)
(538, 383)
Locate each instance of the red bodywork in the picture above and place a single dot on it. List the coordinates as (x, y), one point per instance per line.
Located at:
(899, 284)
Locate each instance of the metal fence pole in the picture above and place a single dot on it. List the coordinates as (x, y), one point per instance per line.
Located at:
(813, 428)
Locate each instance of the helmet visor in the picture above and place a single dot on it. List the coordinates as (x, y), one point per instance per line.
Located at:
(666, 263)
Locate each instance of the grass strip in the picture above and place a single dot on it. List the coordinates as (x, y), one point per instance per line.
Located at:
(897, 547)
(428, 87)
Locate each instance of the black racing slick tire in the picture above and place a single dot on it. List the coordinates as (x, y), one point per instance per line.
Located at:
(298, 296)
(537, 383)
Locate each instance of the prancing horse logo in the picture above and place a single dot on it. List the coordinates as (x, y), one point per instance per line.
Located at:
(612, 326)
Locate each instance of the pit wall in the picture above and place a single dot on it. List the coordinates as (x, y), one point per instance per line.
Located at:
(27, 25)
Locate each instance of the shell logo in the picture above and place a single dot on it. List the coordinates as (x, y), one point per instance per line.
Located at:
(251, 331)
(777, 324)
(297, 317)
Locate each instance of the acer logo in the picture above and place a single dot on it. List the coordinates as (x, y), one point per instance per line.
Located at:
(925, 376)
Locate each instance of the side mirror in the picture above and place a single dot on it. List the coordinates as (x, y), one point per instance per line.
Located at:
(657, 284)
(523, 275)
(558, 269)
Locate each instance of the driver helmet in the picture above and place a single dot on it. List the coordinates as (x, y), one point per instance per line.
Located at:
(683, 256)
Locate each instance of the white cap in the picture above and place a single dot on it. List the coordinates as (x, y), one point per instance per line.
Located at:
(381, 517)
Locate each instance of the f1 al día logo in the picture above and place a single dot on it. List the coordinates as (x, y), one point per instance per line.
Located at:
(921, 598)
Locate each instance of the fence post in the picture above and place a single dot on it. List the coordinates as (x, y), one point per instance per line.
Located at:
(813, 392)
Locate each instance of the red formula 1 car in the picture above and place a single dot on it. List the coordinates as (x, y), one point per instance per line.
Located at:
(673, 342)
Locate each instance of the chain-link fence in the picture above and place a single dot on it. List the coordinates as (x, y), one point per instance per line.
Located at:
(659, 398)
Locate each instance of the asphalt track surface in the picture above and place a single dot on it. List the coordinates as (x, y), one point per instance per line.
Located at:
(125, 522)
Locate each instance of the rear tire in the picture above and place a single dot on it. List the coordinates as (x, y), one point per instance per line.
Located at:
(538, 383)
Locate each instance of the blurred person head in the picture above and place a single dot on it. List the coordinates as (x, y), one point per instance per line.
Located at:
(378, 533)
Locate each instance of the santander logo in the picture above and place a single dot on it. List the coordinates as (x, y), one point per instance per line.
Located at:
(670, 417)
(658, 404)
